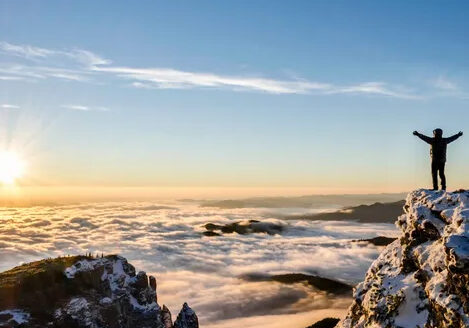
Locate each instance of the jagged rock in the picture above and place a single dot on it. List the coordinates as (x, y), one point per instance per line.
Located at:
(186, 318)
(153, 286)
(166, 317)
(421, 279)
(80, 291)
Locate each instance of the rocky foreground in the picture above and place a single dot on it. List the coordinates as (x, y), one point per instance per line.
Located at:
(82, 291)
(422, 279)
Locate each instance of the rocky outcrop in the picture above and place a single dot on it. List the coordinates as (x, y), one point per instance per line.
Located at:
(186, 318)
(377, 241)
(243, 228)
(421, 279)
(81, 291)
(325, 323)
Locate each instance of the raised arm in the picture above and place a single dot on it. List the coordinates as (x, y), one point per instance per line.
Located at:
(423, 137)
(452, 138)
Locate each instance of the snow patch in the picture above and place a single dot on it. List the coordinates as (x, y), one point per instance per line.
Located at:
(17, 315)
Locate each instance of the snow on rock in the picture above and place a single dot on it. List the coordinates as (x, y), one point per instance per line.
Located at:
(420, 280)
(186, 318)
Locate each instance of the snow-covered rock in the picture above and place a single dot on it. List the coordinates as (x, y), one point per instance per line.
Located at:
(186, 318)
(13, 318)
(422, 279)
(75, 292)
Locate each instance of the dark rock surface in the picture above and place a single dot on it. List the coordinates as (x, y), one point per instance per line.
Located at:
(243, 228)
(81, 291)
(186, 318)
(325, 323)
(377, 241)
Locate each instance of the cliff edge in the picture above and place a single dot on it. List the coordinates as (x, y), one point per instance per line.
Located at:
(421, 279)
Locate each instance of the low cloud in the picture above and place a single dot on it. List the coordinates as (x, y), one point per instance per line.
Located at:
(167, 241)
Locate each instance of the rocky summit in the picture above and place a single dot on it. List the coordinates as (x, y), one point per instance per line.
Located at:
(82, 291)
(421, 279)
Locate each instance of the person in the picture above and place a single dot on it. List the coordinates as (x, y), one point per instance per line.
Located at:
(438, 154)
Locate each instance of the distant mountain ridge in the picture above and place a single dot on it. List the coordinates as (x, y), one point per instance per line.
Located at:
(307, 201)
(374, 213)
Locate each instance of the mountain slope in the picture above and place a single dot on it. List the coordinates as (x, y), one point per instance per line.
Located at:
(421, 279)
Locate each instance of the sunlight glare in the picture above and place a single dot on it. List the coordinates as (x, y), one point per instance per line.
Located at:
(11, 167)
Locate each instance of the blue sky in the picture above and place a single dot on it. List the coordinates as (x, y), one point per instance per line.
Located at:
(313, 94)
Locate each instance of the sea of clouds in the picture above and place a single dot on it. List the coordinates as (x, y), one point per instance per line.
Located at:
(166, 240)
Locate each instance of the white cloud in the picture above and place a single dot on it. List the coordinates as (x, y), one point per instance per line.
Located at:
(377, 88)
(86, 108)
(87, 58)
(30, 52)
(162, 78)
(10, 78)
(170, 78)
(81, 65)
(25, 50)
(9, 106)
(35, 73)
(445, 84)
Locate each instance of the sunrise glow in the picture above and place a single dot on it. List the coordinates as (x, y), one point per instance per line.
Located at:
(11, 167)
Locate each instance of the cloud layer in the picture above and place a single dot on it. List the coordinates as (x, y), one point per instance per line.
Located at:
(83, 65)
(167, 241)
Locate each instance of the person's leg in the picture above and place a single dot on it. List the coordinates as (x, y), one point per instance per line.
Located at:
(434, 175)
(441, 170)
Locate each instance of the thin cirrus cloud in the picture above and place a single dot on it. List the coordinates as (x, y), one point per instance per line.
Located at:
(83, 65)
(447, 87)
(445, 84)
(86, 108)
(9, 106)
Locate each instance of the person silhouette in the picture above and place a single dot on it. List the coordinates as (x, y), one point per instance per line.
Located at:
(438, 154)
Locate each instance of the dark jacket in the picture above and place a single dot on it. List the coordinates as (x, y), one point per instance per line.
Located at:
(438, 146)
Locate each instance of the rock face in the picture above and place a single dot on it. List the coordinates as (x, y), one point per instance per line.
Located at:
(186, 318)
(81, 291)
(421, 279)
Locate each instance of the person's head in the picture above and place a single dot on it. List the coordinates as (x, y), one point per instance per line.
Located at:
(438, 133)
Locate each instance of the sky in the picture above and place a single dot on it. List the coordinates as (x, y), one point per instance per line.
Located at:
(312, 96)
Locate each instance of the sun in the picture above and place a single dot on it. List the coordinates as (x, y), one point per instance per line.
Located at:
(11, 167)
